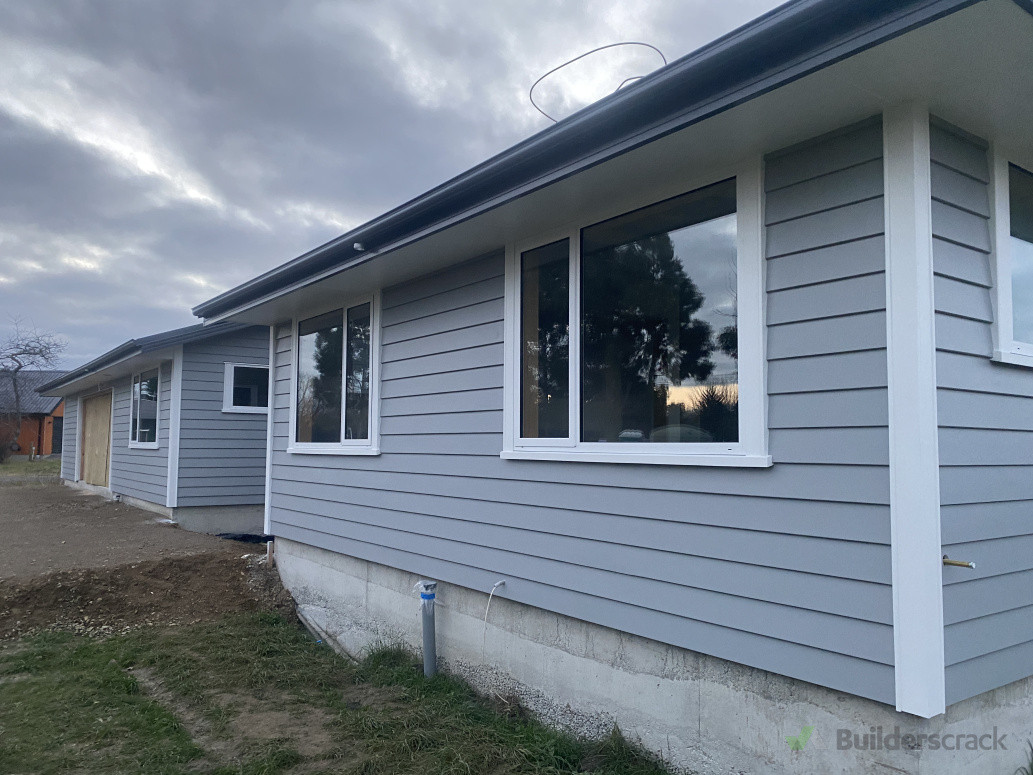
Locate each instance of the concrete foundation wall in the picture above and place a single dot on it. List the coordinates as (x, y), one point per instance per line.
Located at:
(221, 519)
(697, 712)
(197, 519)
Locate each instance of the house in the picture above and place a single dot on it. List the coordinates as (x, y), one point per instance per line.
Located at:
(175, 423)
(41, 416)
(710, 407)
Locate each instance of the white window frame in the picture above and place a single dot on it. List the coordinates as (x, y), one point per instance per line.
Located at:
(370, 446)
(751, 449)
(133, 443)
(1006, 348)
(228, 384)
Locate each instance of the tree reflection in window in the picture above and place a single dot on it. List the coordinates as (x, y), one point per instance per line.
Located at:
(357, 375)
(659, 349)
(544, 341)
(320, 351)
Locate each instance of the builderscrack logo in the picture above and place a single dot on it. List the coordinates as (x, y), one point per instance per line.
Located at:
(799, 742)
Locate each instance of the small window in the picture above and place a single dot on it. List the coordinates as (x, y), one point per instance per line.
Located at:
(335, 384)
(143, 428)
(245, 389)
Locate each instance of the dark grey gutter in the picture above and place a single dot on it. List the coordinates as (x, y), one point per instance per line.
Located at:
(785, 44)
(141, 346)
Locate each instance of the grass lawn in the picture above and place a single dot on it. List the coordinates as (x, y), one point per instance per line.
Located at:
(253, 694)
(19, 465)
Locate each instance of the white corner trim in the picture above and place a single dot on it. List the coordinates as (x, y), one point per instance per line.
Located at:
(267, 519)
(78, 438)
(918, 643)
(175, 414)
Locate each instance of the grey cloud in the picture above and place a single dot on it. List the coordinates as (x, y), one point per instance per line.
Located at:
(156, 153)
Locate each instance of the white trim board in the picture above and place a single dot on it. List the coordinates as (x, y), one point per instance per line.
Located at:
(267, 506)
(918, 639)
(175, 415)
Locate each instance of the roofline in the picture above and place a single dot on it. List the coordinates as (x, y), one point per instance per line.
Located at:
(777, 48)
(141, 346)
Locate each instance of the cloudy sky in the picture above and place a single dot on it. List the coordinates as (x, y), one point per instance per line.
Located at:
(154, 154)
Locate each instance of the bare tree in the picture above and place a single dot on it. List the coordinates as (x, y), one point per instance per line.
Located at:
(24, 348)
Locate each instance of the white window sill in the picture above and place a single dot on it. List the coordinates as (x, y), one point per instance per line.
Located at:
(332, 449)
(143, 445)
(647, 458)
(1013, 358)
(245, 410)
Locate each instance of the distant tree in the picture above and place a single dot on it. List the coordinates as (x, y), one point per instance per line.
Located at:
(640, 330)
(25, 348)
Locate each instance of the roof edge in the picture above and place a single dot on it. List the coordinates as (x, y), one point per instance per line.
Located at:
(134, 347)
(685, 77)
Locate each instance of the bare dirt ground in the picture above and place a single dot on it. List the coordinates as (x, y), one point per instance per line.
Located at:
(75, 561)
(50, 527)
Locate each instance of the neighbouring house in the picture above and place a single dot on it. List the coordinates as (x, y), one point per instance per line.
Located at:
(689, 401)
(175, 423)
(41, 416)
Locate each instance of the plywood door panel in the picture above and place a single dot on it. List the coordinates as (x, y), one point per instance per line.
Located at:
(96, 440)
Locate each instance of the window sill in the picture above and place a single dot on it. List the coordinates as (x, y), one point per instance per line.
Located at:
(646, 458)
(143, 445)
(245, 410)
(332, 450)
(1012, 358)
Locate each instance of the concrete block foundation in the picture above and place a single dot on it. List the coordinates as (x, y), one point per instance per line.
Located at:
(697, 712)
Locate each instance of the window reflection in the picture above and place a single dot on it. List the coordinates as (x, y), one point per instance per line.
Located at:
(544, 342)
(320, 360)
(659, 341)
(144, 420)
(1020, 184)
(250, 386)
(357, 378)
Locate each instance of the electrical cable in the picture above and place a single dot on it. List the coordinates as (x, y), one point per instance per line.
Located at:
(530, 92)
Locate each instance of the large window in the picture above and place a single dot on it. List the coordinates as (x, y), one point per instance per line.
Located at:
(143, 427)
(627, 336)
(245, 389)
(1014, 262)
(335, 382)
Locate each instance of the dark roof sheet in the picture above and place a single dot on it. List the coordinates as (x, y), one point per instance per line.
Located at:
(791, 41)
(28, 383)
(141, 346)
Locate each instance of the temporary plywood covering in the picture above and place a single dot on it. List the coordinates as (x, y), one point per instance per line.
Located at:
(96, 439)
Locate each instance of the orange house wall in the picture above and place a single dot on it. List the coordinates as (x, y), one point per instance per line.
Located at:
(29, 436)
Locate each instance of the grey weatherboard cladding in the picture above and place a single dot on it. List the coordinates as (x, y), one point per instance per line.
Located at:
(140, 473)
(221, 455)
(786, 569)
(986, 433)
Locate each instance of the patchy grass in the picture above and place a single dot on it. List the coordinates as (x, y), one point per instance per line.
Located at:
(20, 465)
(253, 694)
